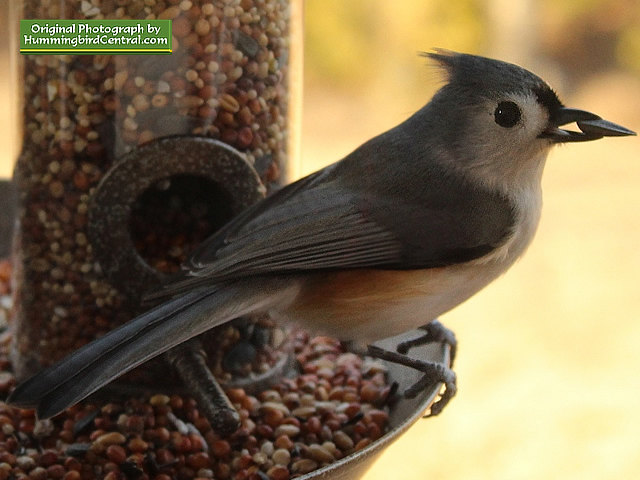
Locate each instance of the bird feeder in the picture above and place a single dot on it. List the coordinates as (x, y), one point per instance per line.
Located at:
(127, 162)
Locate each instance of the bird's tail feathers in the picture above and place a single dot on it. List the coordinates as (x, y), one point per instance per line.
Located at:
(146, 336)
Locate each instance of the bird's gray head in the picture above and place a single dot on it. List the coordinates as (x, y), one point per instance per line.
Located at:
(497, 121)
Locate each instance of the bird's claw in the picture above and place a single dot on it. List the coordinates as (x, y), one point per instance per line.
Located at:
(435, 332)
(434, 372)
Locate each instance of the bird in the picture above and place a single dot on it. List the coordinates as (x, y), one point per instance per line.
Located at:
(406, 227)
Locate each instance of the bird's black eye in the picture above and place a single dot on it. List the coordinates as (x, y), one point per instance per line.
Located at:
(507, 114)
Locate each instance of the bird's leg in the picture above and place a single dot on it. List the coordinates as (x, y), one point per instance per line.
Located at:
(189, 360)
(435, 332)
(434, 372)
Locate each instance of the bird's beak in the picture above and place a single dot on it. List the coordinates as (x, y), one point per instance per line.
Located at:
(591, 125)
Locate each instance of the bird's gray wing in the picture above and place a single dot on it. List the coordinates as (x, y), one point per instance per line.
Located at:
(318, 223)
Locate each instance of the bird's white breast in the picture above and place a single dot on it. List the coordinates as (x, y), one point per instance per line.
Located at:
(366, 305)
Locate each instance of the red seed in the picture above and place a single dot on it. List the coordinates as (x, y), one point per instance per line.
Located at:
(369, 393)
(362, 443)
(180, 27)
(352, 410)
(162, 435)
(116, 454)
(181, 444)
(278, 472)
(283, 441)
(6, 457)
(197, 443)
(55, 471)
(138, 445)
(379, 417)
(333, 424)
(48, 458)
(135, 424)
(207, 92)
(374, 431)
(80, 180)
(273, 418)
(245, 137)
(360, 428)
(313, 425)
(176, 402)
(220, 448)
(72, 475)
(264, 431)
(198, 460)
(229, 135)
(72, 464)
(164, 456)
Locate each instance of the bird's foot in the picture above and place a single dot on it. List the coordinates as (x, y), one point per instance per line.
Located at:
(434, 372)
(435, 332)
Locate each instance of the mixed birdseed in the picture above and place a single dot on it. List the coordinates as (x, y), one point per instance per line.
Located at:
(226, 79)
(335, 405)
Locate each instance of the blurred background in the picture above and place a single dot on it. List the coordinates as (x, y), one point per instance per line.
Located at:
(549, 356)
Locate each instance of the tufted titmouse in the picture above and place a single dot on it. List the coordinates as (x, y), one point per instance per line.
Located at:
(406, 227)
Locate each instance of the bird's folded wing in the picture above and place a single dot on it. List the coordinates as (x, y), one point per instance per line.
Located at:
(314, 225)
